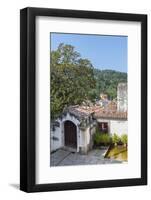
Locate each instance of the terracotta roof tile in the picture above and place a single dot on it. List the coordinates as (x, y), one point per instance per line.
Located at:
(109, 111)
(111, 115)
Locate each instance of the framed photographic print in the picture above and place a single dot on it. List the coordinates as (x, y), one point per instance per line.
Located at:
(83, 99)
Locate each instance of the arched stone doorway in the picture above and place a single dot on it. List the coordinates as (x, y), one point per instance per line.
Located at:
(70, 134)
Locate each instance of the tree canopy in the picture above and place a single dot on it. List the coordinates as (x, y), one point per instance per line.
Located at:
(72, 78)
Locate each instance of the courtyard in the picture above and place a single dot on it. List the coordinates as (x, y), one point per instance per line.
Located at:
(63, 157)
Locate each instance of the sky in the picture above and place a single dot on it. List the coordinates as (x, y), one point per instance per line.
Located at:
(104, 51)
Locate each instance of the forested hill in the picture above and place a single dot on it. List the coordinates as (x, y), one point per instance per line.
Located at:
(107, 81)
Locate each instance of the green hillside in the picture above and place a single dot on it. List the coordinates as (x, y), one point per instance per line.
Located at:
(107, 81)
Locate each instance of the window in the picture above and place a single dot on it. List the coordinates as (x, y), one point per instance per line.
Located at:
(103, 127)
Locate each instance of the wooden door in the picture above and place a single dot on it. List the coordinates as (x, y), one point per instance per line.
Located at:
(70, 134)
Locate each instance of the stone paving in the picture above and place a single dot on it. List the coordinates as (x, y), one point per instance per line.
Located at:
(64, 157)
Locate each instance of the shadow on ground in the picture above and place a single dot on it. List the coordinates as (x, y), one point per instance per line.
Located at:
(15, 185)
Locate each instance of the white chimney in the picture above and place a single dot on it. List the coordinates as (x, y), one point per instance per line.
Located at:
(122, 97)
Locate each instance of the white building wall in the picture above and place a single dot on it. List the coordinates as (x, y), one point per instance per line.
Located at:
(87, 133)
(122, 97)
(84, 140)
(116, 126)
(84, 137)
(57, 136)
(119, 127)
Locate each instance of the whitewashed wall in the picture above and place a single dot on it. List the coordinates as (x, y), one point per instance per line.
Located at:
(116, 126)
(57, 136)
(85, 140)
(119, 127)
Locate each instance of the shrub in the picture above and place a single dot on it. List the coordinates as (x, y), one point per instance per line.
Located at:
(105, 138)
(97, 138)
(115, 138)
(124, 138)
(102, 138)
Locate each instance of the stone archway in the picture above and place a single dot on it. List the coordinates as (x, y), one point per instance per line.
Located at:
(70, 134)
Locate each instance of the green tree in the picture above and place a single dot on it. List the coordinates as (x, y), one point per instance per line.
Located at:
(107, 81)
(72, 78)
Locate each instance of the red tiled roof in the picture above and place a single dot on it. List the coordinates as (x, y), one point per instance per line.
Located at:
(111, 114)
(83, 111)
(109, 111)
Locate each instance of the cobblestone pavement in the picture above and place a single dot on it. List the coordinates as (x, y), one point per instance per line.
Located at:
(65, 158)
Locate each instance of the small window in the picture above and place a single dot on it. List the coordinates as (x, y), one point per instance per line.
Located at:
(103, 127)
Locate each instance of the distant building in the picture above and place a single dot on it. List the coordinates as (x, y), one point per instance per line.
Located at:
(103, 101)
(103, 96)
(74, 129)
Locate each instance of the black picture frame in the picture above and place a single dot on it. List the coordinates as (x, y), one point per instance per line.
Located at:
(28, 98)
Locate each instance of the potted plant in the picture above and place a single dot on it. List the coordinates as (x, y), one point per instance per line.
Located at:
(115, 139)
(124, 139)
